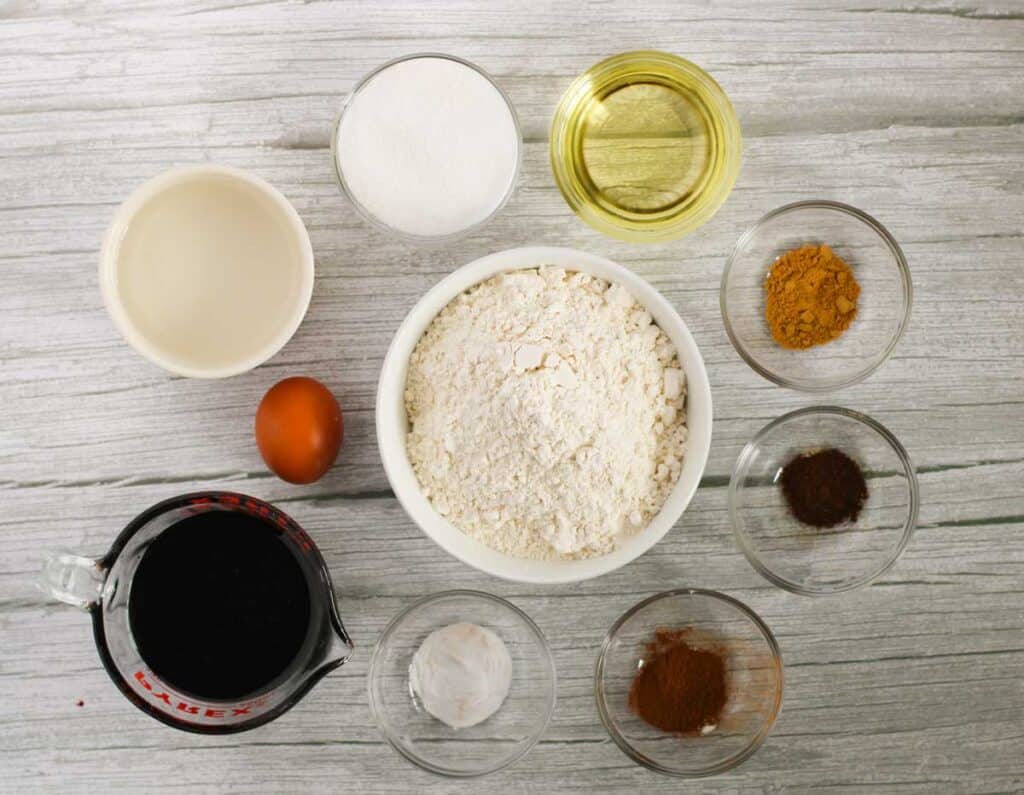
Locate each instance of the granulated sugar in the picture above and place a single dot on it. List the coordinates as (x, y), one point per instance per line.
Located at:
(428, 146)
(547, 414)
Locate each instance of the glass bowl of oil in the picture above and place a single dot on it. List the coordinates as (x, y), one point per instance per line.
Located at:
(645, 146)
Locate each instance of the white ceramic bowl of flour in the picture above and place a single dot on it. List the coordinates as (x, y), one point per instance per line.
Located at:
(393, 425)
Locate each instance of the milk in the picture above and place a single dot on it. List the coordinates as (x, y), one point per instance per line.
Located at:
(207, 271)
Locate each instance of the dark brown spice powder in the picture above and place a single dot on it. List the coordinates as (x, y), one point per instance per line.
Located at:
(824, 488)
(679, 689)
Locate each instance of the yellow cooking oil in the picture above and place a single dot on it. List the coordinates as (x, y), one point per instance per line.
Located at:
(645, 146)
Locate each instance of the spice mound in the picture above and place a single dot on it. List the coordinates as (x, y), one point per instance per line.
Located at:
(811, 297)
(824, 488)
(547, 414)
(461, 674)
(679, 689)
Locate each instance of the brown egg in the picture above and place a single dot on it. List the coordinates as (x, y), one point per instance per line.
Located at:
(299, 429)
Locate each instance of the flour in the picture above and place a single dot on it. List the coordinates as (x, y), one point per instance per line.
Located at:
(547, 414)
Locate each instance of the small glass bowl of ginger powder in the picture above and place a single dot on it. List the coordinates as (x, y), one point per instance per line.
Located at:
(816, 295)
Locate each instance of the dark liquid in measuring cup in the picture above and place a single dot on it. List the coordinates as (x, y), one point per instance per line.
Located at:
(219, 605)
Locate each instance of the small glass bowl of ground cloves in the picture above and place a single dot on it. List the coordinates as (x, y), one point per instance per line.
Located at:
(689, 682)
(823, 500)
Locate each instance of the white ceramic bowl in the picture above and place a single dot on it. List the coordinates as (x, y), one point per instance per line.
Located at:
(223, 289)
(393, 426)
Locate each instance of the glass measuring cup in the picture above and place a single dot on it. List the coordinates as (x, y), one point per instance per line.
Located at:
(102, 586)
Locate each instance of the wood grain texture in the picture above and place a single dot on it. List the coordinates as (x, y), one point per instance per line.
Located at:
(914, 112)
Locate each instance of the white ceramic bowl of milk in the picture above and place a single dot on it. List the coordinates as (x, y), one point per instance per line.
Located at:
(207, 270)
(393, 422)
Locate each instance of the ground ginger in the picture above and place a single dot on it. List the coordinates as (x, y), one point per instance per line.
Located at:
(811, 297)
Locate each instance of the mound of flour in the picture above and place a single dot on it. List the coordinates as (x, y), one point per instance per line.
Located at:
(546, 414)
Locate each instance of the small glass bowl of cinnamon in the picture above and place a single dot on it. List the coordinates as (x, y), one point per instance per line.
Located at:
(689, 682)
(858, 346)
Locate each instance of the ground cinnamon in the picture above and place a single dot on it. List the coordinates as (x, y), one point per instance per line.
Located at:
(679, 688)
(811, 297)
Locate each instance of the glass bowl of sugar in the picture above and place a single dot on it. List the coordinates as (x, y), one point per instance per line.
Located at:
(462, 683)
(427, 147)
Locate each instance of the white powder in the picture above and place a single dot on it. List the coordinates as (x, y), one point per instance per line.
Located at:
(428, 146)
(461, 674)
(546, 414)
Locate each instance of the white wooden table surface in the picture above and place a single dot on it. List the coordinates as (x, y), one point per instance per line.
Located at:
(913, 112)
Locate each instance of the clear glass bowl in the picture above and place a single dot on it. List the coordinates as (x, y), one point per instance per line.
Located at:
(882, 310)
(755, 681)
(496, 742)
(809, 560)
(368, 215)
(645, 146)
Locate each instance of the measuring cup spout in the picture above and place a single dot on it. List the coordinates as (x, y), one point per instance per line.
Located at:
(339, 647)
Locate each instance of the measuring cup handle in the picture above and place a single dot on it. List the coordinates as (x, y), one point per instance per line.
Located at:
(72, 579)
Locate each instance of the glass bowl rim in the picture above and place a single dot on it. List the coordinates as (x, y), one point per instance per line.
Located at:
(616, 226)
(909, 525)
(364, 212)
(897, 255)
(642, 759)
(393, 624)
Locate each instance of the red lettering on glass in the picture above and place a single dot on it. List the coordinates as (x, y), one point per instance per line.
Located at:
(191, 709)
